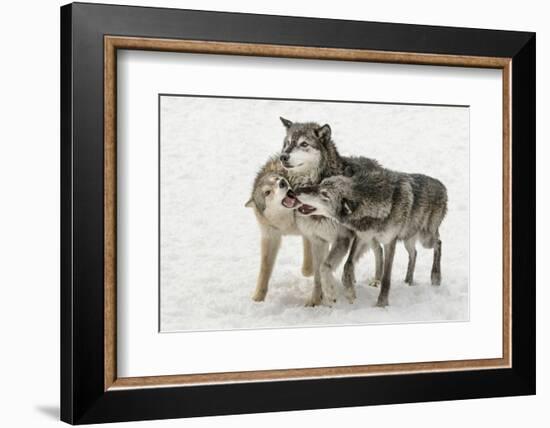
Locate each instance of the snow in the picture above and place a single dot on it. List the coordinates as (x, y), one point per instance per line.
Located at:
(210, 151)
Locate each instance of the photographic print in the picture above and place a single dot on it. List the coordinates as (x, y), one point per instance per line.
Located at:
(301, 213)
(235, 215)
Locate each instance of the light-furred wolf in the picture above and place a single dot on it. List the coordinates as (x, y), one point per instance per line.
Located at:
(310, 155)
(275, 221)
(386, 206)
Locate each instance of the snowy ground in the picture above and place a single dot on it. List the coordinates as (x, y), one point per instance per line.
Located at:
(210, 151)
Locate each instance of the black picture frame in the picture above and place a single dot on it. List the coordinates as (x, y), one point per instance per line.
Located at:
(83, 398)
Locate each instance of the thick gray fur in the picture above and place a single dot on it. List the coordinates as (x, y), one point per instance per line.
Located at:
(322, 160)
(331, 162)
(386, 206)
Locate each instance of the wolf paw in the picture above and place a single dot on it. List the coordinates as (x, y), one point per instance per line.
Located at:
(436, 278)
(259, 296)
(329, 299)
(350, 294)
(328, 302)
(382, 302)
(409, 281)
(329, 293)
(313, 301)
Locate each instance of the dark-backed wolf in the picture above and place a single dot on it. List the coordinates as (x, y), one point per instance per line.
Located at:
(310, 155)
(275, 221)
(386, 206)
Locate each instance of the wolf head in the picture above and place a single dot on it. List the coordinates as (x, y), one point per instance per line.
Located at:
(269, 193)
(331, 198)
(305, 146)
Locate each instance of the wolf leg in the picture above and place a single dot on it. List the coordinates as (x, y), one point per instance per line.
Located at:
(379, 262)
(269, 247)
(318, 251)
(307, 263)
(338, 251)
(410, 245)
(348, 276)
(389, 252)
(436, 267)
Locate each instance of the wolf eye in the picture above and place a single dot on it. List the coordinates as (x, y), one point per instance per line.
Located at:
(304, 144)
(324, 194)
(267, 192)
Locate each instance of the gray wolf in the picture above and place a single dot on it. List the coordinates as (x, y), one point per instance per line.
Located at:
(309, 155)
(275, 221)
(386, 206)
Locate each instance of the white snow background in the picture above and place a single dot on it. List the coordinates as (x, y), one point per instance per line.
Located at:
(210, 150)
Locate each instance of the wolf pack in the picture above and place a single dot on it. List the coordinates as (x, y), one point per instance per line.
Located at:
(342, 206)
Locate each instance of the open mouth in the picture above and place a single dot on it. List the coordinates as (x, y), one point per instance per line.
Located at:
(290, 166)
(290, 200)
(306, 209)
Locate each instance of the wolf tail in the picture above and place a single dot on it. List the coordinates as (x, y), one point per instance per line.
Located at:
(430, 235)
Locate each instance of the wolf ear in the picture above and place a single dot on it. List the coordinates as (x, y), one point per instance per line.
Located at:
(250, 203)
(287, 123)
(323, 132)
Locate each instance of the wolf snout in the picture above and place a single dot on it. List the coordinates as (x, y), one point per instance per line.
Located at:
(284, 157)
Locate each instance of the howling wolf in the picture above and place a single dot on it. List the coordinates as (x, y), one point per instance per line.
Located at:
(275, 221)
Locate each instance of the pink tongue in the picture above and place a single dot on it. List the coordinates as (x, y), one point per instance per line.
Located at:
(289, 202)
